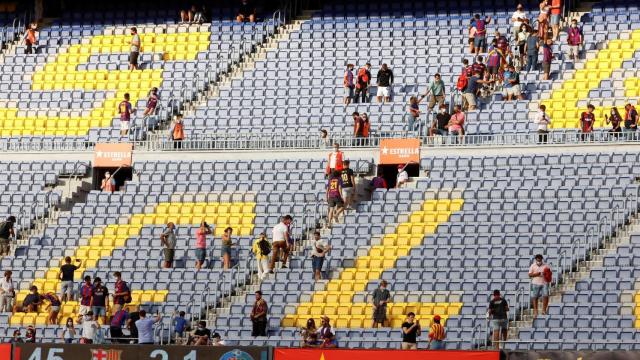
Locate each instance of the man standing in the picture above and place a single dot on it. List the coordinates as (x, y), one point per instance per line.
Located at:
(335, 160)
(118, 320)
(7, 292)
(280, 234)
(511, 87)
(319, 249)
(6, 234)
(363, 79)
(630, 121)
(349, 85)
(135, 49)
(402, 177)
(201, 244)
(358, 125)
(410, 332)
(262, 249)
(587, 120)
(498, 311)
(86, 294)
(381, 298)
(540, 274)
(348, 184)
(469, 95)
(152, 103)
(108, 183)
(436, 335)
(543, 120)
(145, 328)
(99, 303)
(480, 39)
(531, 48)
(121, 293)
(259, 316)
(556, 11)
(30, 38)
(384, 80)
(168, 241)
(66, 279)
(575, 38)
(334, 198)
(436, 92)
(517, 19)
(125, 110)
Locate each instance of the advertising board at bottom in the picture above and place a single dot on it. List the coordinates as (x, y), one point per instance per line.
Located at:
(344, 354)
(573, 355)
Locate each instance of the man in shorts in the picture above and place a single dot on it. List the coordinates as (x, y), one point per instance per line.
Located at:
(511, 86)
(556, 14)
(168, 240)
(125, 110)
(498, 312)
(334, 198)
(99, 300)
(436, 92)
(319, 249)
(480, 39)
(135, 49)
(575, 39)
(384, 80)
(348, 184)
(539, 284)
(66, 279)
(201, 244)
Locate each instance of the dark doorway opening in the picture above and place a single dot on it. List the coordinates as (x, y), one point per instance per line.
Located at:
(390, 172)
(120, 176)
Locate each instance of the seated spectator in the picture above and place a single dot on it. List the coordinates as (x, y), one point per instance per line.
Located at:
(413, 113)
(543, 121)
(402, 178)
(587, 121)
(456, 122)
(216, 340)
(31, 302)
(309, 334)
(16, 338)
(436, 92)
(246, 12)
(30, 335)
(616, 122)
(201, 335)
(441, 124)
(511, 86)
(378, 182)
(186, 16)
(575, 39)
(327, 338)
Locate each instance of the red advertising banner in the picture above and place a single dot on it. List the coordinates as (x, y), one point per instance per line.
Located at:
(340, 354)
(5, 351)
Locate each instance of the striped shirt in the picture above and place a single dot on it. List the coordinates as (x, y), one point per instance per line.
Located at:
(437, 332)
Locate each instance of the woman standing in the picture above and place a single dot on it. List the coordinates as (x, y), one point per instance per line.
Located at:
(543, 19)
(177, 132)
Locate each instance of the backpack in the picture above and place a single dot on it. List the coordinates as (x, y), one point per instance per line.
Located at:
(463, 80)
(547, 274)
(265, 249)
(5, 229)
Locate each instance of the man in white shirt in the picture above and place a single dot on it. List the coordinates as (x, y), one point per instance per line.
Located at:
(543, 120)
(518, 17)
(319, 249)
(402, 178)
(7, 292)
(89, 328)
(145, 328)
(540, 274)
(280, 235)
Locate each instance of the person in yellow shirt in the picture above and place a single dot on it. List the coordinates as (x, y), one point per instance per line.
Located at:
(262, 248)
(436, 335)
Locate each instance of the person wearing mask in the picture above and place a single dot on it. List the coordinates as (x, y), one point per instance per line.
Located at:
(121, 292)
(30, 38)
(363, 80)
(379, 300)
(539, 273)
(521, 40)
(319, 250)
(258, 316)
(177, 132)
(366, 127)
(16, 338)
(511, 86)
(53, 307)
(201, 335)
(99, 300)
(517, 19)
(630, 122)
(168, 240)
(348, 184)
(616, 122)
(402, 178)
(358, 125)
(216, 340)
(587, 121)
(440, 126)
(108, 183)
(201, 244)
(335, 160)
(7, 292)
(68, 334)
(309, 333)
(349, 84)
(456, 123)
(89, 327)
(384, 80)
(575, 39)
(543, 120)
(531, 48)
(145, 327)
(413, 113)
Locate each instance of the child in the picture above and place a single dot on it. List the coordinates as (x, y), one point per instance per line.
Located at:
(547, 56)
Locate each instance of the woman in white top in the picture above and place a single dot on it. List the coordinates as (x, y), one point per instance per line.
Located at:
(69, 332)
(7, 292)
(543, 120)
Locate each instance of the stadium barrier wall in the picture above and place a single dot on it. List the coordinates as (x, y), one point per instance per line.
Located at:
(572, 355)
(344, 354)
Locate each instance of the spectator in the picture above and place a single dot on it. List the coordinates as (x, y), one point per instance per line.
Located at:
(467, 69)
(30, 335)
(379, 182)
(216, 340)
(89, 328)
(31, 302)
(7, 292)
(380, 299)
(168, 241)
(521, 41)
(7, 232)
(472, 38)
(198, 14)
(587, 120)
(259, 316)
(543, 20)
(540, 274)
(402, 178)
(480, 40)
(30, 38)
(177, 132)
(201, 335)
(324, 138)
(494, 63)
(437, 335)
(186, 16)
(543, 121)
(227, 243)
(319, 249)
(616, 122)
(309, 334)
(511, 87)
(145, 327)
(99, 302)
(121, 292)
(66, 278)
(201, 243)
(436, 92)
(152, 103)
(456, 122)
(630, 121)
(118, 320)
(348, 184)
(413, 113)
(16, 338)
(280, 234)
(131, 325)
(349, 84)
(384, 80)
(261, 248)
(502, 44)
(181, 325)
(479, 67)
(327, 337)
(335, 161)
(531, 49)
(441, 124)
(556, 10)
(410, 332)
(517, 19)
(363, 80)
(575, 38)
(108, 183)
(358, 125)
(68, 332)
(334, 198)
(125, 110)
(86, 296)
(547, 57)
(53, 307)
(366, 127)
(246, 12)
(135, 49)
(498, 312)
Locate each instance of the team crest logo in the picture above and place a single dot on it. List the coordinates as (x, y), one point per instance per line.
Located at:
(236, 354)
(102, 354)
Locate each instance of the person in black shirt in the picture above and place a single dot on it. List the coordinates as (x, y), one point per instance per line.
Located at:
(201, 335)
(66, 279)
(498, 311)
(247, 12)
(410, 332)
(99, 304)
(32, 301)
(440, 125)
(384, 80)
(348, 184)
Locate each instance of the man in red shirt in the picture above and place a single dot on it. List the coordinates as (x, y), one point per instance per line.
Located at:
(556, 10)
(335, 160)
(362, 83)
(587, 120)
(121, 293)
(125, 110)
